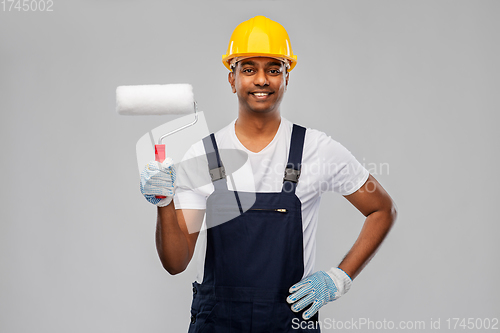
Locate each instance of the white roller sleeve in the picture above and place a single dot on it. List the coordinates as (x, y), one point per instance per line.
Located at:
(155, 99)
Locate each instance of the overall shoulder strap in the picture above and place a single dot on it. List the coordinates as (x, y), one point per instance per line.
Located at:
(216, 169)
(292, 171)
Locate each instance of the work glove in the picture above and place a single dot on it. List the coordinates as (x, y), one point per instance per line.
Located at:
(319, 288)
(158, 179)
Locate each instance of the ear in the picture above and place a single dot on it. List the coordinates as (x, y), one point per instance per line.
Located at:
(287, 75)
(230, 78)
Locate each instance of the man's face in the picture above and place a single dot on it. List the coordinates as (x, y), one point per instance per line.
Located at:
(259, 83)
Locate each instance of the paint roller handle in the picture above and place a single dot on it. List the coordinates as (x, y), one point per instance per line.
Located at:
(160, 157)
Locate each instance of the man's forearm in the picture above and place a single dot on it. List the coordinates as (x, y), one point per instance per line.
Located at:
(171, 242)
(374, 231)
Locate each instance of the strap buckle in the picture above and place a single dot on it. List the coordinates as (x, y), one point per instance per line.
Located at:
(217, 173)
(291, 175)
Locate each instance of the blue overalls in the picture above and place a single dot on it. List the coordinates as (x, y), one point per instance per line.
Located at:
(254, 258)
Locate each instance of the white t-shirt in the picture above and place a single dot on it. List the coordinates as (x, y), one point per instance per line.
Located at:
(326, 166)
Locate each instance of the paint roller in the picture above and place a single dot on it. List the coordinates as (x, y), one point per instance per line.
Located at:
(157, 99)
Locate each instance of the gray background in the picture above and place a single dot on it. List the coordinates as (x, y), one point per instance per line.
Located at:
(410, 83)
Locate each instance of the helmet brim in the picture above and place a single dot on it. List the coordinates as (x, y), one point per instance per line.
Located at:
(226, 59)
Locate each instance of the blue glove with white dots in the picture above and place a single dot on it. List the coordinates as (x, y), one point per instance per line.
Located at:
(158, 179)
(319, 288)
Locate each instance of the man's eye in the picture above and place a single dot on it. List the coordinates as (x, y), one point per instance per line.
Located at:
(246, 70)
(274, 71)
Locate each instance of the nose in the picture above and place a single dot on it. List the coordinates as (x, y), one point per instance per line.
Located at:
(260, 78)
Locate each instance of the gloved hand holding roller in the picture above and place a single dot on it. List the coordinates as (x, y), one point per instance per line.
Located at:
(158, 182)
(158, 177)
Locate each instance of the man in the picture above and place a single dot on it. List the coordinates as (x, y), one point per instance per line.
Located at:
(257, 273)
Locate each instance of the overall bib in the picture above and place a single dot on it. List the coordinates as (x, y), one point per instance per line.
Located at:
(254, 258)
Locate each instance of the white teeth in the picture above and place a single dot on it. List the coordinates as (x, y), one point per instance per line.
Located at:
(260, 94)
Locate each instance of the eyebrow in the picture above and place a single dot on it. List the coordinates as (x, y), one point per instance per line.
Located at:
(252, 63)
(247, 62)
(274, 63)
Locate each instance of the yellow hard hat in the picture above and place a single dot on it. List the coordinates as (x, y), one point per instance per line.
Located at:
(259, 37)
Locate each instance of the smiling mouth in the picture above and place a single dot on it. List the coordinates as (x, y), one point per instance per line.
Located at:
(261, 94)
